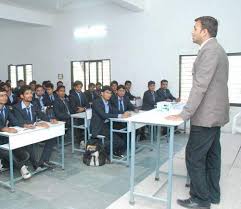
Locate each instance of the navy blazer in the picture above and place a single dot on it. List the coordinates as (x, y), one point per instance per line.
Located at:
(163, 96)
(99, 116)
(61, 111)
(15, 101)
(75, 102)
(129, 95)
(9, 119)
(148, 102)
(22, 116)
(46, 100)
(90, 96)
(127, 104)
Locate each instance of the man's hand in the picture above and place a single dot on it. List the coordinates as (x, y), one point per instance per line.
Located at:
(9, 130)
(53, 121)
(174, 117)
(178, 99)
(43, 125)
(81, 109)
(126, 115)
(29, 126)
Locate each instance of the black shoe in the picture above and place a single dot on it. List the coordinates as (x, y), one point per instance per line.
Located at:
(46, 165)
(189, 203)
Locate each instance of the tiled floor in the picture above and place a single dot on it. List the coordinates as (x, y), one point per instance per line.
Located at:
(230, 181)
(80, 186)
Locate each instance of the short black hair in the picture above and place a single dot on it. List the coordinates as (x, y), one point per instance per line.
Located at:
(113, 82)
(24, 89)
(106, 88)
(2, 89)
(164, 81)
(76, 83)
(34, 81)
(49, 85)
(59, 82)
(121, 87)
(38, 86)
(6, 84)
(98, 83)
(151, 83)
(60, 87)
(127, 82)
(209, 23)
(91, 85)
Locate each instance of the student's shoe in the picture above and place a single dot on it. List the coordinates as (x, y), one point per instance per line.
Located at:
(82, 145)
(25, 173)
(189, 203)
(47, 165)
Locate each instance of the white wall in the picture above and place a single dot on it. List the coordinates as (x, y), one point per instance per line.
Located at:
(142, 46)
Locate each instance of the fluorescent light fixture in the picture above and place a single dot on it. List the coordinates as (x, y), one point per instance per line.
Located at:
(96, 31)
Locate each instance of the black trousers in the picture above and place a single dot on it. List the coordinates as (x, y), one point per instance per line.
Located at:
(119, 144)
(203, 161)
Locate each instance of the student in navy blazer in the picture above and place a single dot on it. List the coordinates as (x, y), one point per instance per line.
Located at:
(150, 97)
(90, 94)
(164, 94)
(12, 98)
(100, 125)
(7, 119)
(77, 98)
(29, 113)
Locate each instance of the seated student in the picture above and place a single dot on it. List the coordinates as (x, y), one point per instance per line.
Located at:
(48, 99)
(120, 102)
(12, 98)
(100, 125)
(62, 109)
(113, 86)
(28, 114)
(77, 98)
(39, 97)
(8, 82)
(33, 86)
(90, 93)
(150, 97)
(164, 94)
(128, 88)
(20, 83)
(20, 157)
(98, 88)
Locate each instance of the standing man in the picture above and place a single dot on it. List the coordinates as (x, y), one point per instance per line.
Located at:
(208, 109)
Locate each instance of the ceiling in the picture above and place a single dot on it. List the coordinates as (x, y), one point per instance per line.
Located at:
(53, 5)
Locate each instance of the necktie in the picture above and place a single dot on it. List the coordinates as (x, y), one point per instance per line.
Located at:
(79, 98)
(28, 113)
(153, 97)
(3, 114)
(66, 106)
(121, 105)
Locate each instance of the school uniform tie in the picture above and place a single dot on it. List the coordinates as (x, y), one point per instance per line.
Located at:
(28, 113)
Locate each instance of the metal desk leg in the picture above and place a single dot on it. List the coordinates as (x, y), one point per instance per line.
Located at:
(158, 153)
(128, 147)
(132, 167)
(152, 134)
(72, 133)
(170, 168)
(111, 141)
(85, 125)
(62, 149)
(185, 126)
(11, 170)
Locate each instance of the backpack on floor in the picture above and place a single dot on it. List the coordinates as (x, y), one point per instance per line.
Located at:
(95, 154)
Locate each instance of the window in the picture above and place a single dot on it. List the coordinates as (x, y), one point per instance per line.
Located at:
(20, 72)
(234, 84)
(91, 71)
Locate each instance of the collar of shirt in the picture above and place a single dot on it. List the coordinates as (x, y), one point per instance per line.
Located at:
(120, 98)
(24, 106)
(4, 108)
(105, 102)
(202, 45)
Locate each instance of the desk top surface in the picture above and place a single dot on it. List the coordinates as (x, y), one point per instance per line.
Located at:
(25, 130)
(154, 117)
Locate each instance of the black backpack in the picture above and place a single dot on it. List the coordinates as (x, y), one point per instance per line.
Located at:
(95, 154)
